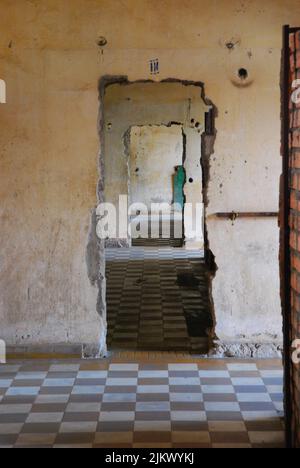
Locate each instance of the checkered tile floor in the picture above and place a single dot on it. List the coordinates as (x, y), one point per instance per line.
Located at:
(147, 308)
(156, 404)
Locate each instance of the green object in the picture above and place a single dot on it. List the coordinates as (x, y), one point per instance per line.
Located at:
(179, 181)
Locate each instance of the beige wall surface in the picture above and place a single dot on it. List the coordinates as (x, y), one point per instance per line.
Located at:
(49, 148)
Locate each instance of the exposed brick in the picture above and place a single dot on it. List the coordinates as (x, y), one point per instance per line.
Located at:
(298, 59)
(296, 262)
(294, 223)
(296, 138)
(297, 40)
(293, 201)
(292, 43)
(296, 159)
(295, 118)
(292, 63)
(295, 181)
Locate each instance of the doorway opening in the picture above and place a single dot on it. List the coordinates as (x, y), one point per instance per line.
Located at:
(157, 179)
(158, 269)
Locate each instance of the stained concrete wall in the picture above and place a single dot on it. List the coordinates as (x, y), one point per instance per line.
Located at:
(49, 146)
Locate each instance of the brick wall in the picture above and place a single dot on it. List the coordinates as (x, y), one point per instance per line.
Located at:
(294, 223)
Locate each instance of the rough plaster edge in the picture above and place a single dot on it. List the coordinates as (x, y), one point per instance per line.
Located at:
(221, 349)
(92, 351)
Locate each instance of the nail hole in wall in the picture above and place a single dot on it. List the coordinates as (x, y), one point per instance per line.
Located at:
(101, 41)
(243, 73)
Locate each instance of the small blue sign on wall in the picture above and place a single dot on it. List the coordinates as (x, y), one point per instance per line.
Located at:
(154, 67)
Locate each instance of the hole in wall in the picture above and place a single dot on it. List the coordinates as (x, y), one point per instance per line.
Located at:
(209, 127)
(243, 73)
(101, 41)
(230, 45)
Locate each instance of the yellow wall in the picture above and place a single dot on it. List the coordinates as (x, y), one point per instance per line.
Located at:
(49, 144)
